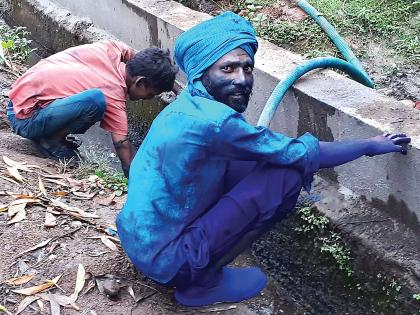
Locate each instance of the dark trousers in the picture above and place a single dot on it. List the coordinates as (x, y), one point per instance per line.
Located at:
(76, 113)
(257, 196)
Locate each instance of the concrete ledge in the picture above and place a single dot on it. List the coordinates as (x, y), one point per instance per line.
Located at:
(324, 103)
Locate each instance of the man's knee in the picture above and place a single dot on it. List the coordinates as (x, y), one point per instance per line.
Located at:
(96, 103)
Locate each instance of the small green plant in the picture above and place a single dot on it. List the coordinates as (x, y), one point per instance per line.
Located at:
(15, 43)
(113, 180)
(311, 221)
(334, 246)
(416, 296)
(329, 242)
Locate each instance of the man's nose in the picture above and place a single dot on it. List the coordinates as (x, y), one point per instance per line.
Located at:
(240, 77)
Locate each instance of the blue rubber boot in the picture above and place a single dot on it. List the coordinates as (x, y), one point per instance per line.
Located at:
(235, 285)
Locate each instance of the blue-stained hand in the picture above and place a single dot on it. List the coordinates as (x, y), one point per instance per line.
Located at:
(387, 143)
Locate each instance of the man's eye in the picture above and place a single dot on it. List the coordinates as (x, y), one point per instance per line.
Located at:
(248, 69)
(227, 69)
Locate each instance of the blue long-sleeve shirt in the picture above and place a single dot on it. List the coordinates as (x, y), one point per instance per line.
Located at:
(178, 173)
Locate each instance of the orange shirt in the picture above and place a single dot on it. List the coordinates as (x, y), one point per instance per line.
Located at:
(74, 70)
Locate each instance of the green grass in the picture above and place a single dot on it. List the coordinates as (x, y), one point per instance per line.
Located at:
(394, 22)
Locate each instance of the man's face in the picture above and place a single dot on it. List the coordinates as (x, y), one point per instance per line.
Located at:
(229, 80)
(138, 91)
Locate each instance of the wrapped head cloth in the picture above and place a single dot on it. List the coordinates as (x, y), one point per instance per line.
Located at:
(201, 46)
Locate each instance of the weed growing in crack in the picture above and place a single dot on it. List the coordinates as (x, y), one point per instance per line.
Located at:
(311, 221)
(329, 242)
(334, 245)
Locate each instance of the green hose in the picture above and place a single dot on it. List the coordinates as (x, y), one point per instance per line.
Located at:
(333, 35)
(352, 66)
(316, 63)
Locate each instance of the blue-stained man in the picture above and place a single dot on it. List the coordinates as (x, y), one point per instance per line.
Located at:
(205, 184)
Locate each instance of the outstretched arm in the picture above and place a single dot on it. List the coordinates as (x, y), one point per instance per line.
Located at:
(340, 152)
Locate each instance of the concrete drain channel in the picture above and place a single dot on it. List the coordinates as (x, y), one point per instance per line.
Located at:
(319, 265)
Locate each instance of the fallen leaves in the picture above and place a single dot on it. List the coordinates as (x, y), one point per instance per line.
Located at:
(108, 243)
(42, 187)
(25, 303)
(39, 288)
(13, 172)
(37, 246)
(19, 280)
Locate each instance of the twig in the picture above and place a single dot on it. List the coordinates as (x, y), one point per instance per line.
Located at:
(360, 222)
(147, 286)
(65, 234)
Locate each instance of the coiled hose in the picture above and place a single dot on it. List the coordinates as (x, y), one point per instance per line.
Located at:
(352, 66)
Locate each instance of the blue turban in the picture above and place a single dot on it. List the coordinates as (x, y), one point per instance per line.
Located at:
(202, 45)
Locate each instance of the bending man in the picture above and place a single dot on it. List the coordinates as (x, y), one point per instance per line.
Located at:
(205, 184)
(70, 91)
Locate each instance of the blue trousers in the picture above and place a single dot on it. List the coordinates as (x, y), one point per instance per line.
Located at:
(257, 196)
(76, 113)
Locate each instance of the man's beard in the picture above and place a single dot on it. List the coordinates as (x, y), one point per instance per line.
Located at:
(236, 97)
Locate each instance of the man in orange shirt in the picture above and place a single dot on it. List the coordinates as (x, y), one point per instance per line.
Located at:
(70, 91)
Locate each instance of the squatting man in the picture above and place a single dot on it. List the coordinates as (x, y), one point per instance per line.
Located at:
(205, 184)
(68, 92)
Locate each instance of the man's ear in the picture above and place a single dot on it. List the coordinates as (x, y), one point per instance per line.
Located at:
(140, 81)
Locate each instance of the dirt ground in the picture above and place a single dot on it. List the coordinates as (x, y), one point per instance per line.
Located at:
(75, 239)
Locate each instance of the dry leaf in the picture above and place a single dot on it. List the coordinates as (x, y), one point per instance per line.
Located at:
(55, 176)
(131, 292)
(108, 243)
(58, 182)
(38, 246)
(38, 288)
(80, 280)
(19, 280)
(4, 207)
(55, 307)
(40, 305)
(15, 164)
(10, 180)
(25, 303)
(50, 220)
(15, 174)
(3, 309)
(73, 210)
(41, 186)
(20, 196)
(106, 201)
(60, 193)
(20, 216)
(25, 200)
(84, 196)
(62, 300)
(15, 208)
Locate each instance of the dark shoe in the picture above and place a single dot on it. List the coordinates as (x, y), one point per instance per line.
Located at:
(56, 151)
(235, 285)
(73, 142)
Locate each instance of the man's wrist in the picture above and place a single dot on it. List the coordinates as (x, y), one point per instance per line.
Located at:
(126, 170)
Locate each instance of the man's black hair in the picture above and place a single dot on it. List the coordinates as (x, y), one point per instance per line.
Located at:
(155, 65)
